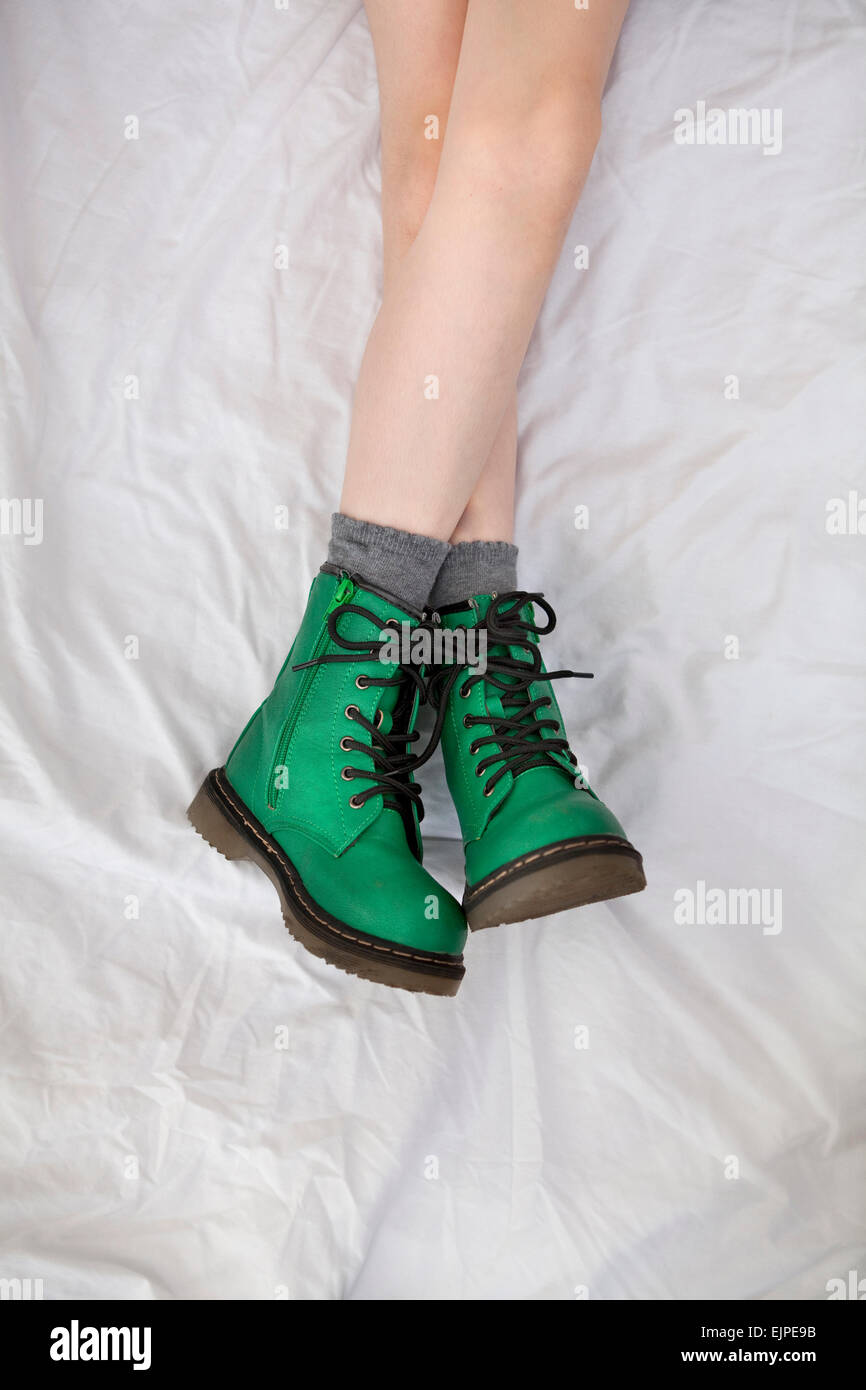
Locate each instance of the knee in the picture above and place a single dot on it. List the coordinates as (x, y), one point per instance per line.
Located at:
(407, 188)
(409, 168)
(534, 157)
(525, 161)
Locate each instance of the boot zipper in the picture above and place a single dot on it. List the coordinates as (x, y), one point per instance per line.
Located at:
(342, 594)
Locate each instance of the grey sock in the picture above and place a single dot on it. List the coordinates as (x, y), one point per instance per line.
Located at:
(401, 563)
(475, 567)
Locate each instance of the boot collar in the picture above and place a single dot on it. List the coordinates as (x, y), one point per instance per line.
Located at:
(368, 588)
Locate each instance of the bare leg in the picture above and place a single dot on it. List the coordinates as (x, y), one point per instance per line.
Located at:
(417, 50)
(438, 377)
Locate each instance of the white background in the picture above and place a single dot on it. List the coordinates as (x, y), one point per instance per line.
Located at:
(151, 1041)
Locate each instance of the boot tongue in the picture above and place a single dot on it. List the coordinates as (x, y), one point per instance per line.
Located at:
(481, 604)
(517, 651)
(510, 703)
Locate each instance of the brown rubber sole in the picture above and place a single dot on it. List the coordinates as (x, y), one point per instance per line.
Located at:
(226, 822)
(571, 873)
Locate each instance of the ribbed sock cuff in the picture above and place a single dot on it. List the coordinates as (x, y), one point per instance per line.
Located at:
(475, 567)
(401, 563)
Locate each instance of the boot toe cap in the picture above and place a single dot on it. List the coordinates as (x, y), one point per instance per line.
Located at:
(532, 819)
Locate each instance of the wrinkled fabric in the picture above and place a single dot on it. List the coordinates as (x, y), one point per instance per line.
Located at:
(635, 1100)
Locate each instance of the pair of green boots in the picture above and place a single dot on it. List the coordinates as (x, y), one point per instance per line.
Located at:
(319, 789)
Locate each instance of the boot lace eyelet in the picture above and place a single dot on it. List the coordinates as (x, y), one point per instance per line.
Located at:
(467, 721)
(473, 748)
(479, 772)
(488, 791)
(388, 721)
(465, 690)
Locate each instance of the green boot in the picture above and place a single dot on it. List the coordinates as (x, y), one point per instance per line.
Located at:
(318, 791)
(537, 839)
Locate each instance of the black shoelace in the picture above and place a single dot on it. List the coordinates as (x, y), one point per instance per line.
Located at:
(393, 762)
(516, 735)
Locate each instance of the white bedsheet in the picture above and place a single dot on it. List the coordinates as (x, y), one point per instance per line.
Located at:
(167, 388)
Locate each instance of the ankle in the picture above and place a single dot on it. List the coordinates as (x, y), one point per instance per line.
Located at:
(401, 564)
(475, 567)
